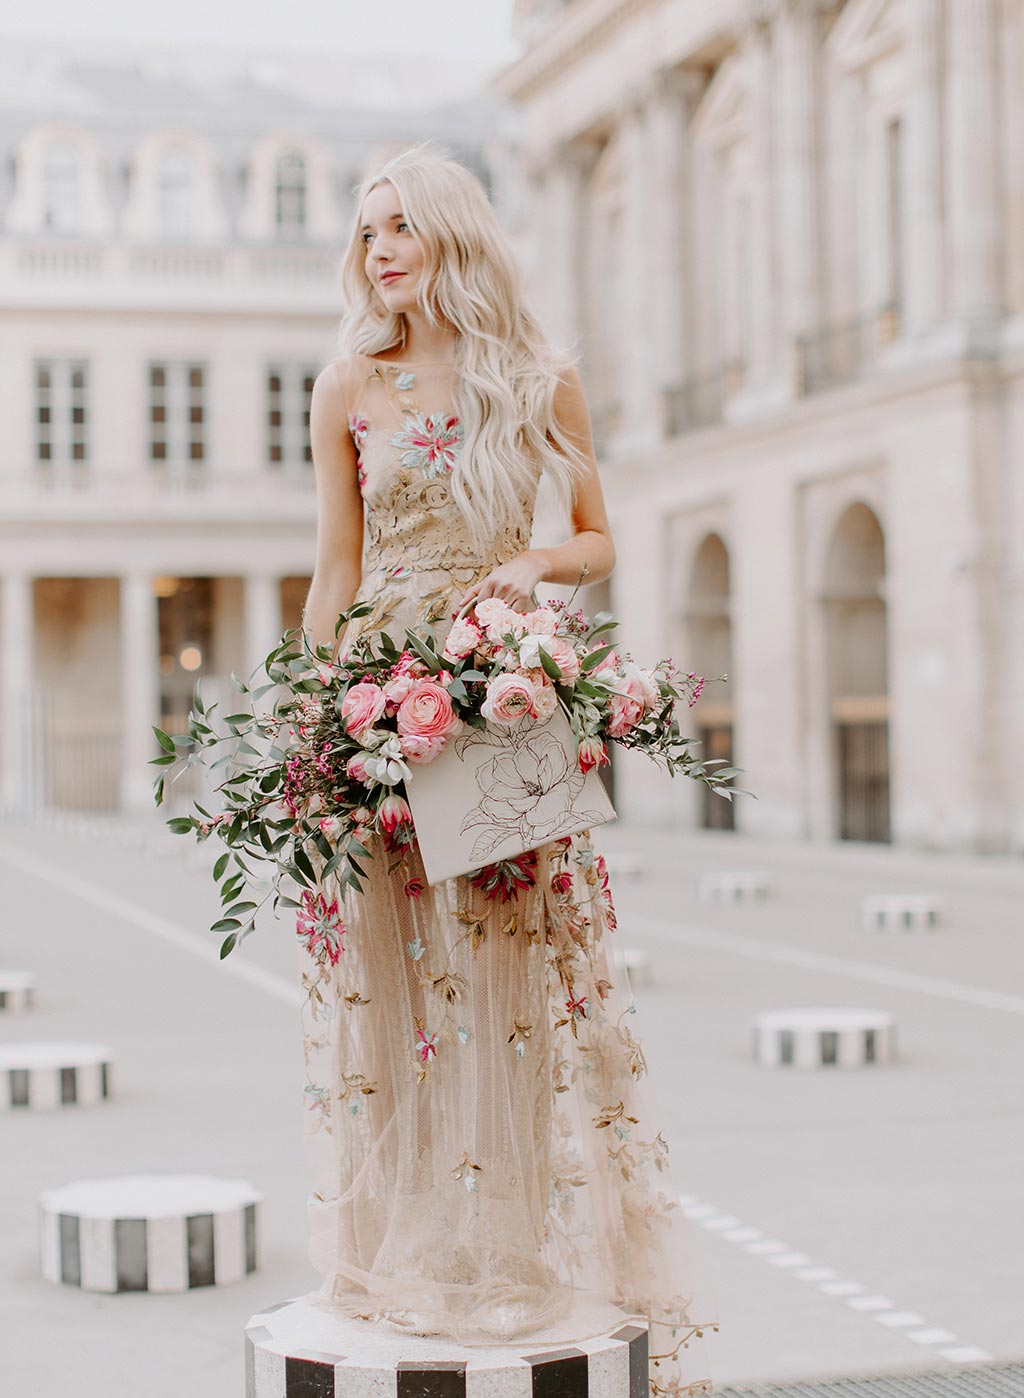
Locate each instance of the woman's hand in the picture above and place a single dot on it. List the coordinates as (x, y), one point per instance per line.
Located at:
(514, 581)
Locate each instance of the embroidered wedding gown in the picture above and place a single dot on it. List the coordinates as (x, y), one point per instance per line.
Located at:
(485, 1161)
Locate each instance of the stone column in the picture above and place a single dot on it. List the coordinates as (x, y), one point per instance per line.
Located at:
(140, 690)
(798, 107)
(561, 253)
(16, 689)
(973, 153)
(638, 389)
(922, 169)
(262, 620)
(673, 98)
(763, 360)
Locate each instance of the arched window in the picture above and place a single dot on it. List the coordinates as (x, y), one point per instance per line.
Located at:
(290, 195)
(61, 189)
(175, 192)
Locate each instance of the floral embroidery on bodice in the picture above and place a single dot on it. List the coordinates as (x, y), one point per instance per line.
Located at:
(418, 559)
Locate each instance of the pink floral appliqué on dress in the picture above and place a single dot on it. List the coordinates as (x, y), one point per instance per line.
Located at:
(429, 443)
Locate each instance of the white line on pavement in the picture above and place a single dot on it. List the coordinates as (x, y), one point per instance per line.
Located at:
(878, 1308)
(831, 965)
(137, 916)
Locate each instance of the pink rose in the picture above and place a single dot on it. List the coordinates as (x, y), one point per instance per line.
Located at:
(641, 683)
(461, 640)
(397, 689)
(509, 697)
(427, 712)
(564, 655)
(545, 700)
(540, 622)
(362, 706)
(623, 714)
(419, 749)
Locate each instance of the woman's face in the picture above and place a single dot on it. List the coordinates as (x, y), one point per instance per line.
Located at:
(393, 257)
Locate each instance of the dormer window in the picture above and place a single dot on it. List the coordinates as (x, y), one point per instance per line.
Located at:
(61, 189)
(175, 193)
(290, 195)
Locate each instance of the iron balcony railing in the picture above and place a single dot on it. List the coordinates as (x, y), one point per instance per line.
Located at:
(844, 352)
(700, 401)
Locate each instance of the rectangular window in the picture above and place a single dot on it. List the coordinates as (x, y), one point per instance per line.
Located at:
(177, 412)
(288, 391)
(61, 410)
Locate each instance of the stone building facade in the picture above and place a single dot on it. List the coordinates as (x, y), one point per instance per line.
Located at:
(787, 238)
(170, 234)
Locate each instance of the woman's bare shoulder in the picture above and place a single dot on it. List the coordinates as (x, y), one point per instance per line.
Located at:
(340, 379)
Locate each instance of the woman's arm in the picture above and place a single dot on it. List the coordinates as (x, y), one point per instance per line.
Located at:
(339, 510)
(590, 547)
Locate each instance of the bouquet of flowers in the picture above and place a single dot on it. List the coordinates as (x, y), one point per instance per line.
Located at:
(330, 766)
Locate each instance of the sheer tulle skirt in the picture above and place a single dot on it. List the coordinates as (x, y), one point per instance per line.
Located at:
(485, 1162)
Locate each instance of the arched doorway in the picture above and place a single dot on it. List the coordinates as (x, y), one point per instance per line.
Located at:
(710, 634)
(857, 665)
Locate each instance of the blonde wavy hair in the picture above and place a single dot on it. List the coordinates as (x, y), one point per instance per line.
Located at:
(506, 371)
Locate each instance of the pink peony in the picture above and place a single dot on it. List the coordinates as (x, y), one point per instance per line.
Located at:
(427, 712)
(509, 697)
(362, 706)
(461, 640)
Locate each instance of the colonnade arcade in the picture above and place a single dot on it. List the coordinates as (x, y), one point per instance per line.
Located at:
(90, 664)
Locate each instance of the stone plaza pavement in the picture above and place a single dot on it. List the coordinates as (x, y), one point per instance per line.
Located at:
(854, 1222)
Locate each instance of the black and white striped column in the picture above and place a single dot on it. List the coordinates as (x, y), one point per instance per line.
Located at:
(896, 911)
(38, 1076)
(17, 992)
(149, 1233)
(300, 1349)
(733, 886)
(837, 1036)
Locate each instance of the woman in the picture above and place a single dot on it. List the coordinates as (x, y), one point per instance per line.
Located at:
(487, 1163)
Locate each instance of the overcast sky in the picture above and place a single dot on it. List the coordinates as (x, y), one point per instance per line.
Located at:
(457, 28)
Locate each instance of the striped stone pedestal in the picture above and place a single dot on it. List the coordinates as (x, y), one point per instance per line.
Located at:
(300, 1349)
(148, 1233)
(17, 991)
(910, 911)
(743, 886)
(38, 1076)
(827, 1037)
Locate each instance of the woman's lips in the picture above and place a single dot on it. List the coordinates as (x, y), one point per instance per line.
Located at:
(391, 277)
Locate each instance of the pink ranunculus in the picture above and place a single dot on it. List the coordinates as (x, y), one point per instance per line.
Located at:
(592, 753)
(419, 749)
(355, 767)
(461, 640)
(509, 697)
(498, 618)
(392, 812)
(362, 706)
(428, 712)
(563, 653)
